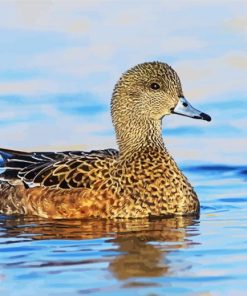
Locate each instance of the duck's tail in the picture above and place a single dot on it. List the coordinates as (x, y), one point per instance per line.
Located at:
(14, 165)
(12, 162)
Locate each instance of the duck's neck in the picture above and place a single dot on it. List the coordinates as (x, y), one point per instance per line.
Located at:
(137, 135)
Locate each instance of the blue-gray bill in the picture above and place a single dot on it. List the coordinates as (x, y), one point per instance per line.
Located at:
(184, 108)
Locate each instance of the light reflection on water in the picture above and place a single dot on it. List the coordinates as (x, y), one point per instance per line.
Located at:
(159, 257)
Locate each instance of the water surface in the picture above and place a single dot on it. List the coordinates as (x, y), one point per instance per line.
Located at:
(205, 256)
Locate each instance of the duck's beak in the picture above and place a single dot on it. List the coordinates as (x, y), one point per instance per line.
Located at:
(184, 108)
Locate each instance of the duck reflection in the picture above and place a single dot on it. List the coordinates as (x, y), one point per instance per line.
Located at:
(143, 251)
(141, 245)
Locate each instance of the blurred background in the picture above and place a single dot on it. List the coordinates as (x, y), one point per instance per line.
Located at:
(59, 61)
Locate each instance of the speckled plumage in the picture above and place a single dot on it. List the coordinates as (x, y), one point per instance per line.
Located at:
(141, 180)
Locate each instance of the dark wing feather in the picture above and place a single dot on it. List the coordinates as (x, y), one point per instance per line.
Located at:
(68, 169)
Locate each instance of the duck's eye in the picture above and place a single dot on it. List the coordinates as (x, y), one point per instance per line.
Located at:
(154, 86)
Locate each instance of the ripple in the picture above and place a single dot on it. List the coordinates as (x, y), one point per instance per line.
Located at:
(217, 169)
(233, 200)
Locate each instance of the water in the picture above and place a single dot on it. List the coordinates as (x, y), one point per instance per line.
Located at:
(205, 256)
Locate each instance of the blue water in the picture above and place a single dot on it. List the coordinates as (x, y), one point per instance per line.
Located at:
(204, 256)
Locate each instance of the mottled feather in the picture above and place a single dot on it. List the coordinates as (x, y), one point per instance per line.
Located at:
(68, 169)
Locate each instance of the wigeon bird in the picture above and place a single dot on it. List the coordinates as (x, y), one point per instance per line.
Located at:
(140, 180)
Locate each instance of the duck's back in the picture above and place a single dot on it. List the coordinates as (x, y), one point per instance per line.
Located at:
(64, 170)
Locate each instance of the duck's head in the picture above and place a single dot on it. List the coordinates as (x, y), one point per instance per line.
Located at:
(151, 91)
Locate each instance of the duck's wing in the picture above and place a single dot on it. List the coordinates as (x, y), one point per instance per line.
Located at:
(67, 169)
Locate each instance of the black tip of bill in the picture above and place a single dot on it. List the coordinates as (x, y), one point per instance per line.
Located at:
(205, 116)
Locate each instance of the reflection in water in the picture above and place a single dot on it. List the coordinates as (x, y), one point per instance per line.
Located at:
(141, 245)
(141, 257)
(176, 256)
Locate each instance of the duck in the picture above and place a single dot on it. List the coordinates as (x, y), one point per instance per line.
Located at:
(139, 180)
